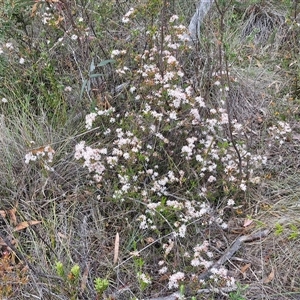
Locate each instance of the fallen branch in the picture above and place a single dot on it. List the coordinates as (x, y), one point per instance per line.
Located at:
(174, 296)
(228, 254)
(234, 248)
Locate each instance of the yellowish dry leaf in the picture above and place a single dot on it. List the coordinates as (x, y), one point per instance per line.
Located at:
(244, 269)
(270, 277)
(12, 215)
(61, 235)
(169, 248)
(247, 222)
(25, 224)
(34, 9)
(3, 213)
(117, 247)
(149, 240)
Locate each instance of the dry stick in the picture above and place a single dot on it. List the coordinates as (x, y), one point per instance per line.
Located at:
(234, 248)
(228, 254)
(174, 296)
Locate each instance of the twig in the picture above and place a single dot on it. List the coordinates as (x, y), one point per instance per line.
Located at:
(222, 290)
(174, 296)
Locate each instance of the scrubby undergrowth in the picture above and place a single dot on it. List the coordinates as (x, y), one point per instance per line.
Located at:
(133, 157)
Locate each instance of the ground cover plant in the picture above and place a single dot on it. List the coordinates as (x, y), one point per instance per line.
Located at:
(140, 163)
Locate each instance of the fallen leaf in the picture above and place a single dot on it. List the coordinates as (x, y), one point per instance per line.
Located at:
(25, 224)
(164, 277)
(247, 222)
(12, 215)
(149, 240)
(117, 247)
(34, 9)
(61, 235)
(270, 277)
(135, 253)
(168, 248)
(244, 269)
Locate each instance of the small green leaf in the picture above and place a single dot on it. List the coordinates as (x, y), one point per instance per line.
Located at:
(105, 62)
(75, 271)
(60, 269)
(278, 229)
(92, 66)
(95, 75)
(83, 87)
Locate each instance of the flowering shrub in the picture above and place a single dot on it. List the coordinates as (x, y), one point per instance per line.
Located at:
(164, 148)
(170, 150)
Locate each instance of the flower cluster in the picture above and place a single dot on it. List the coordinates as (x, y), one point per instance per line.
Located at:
(92, 159)
(280, 132)
(126, 19)
(175, 279)
(220, 277)
(44, 154)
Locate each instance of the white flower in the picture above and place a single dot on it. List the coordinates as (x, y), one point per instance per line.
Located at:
(144, 278)
(161, 262)
(9, 46)
(195, 262)
(224, 118)
(173, 115)
(200, 101)
(4, 100)
(125, 19)
(117, 52)
(163, 270)
(171, 60)
(224, 225)
(199, 158)
(30, 157)
(243, 187)
(68, 89)
(132, 89)
(255, 180)
(89, 119)
(22, 60)
(173, 280)
(152, 205)
(211, 179)
(182, 230)
(126, 155)
(74, 37)
(130, 12)
(230, 202)
(173, 18)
